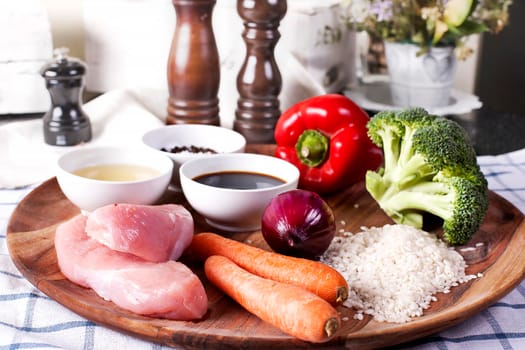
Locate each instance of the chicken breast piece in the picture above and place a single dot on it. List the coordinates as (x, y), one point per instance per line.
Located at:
(154, 233)
(168, 289)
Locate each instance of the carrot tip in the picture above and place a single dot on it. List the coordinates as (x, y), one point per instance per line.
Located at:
(331, 326)
(342, 294)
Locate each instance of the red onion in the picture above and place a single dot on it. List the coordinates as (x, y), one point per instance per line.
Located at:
(298, 223)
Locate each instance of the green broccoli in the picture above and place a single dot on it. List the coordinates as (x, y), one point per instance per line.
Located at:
(429, 166)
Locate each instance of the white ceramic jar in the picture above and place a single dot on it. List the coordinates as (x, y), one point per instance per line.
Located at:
(315, 53)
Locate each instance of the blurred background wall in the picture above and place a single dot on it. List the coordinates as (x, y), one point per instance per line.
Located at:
(498, 60)
(67, 24)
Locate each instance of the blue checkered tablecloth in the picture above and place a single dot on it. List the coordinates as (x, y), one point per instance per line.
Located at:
(31, 320)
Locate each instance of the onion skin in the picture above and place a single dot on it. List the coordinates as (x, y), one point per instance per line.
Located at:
(298, 223)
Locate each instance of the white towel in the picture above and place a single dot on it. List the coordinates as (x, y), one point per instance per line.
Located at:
(118, 118)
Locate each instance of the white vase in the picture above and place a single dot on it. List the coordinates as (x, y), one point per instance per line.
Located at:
(423, 80)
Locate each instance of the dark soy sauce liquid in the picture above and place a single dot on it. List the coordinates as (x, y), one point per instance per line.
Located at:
(239, 180)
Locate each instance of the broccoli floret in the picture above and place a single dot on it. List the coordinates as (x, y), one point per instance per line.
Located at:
(429, 166)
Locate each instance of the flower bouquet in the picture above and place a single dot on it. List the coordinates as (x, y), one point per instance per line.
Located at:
(427, 23)
(423, 39)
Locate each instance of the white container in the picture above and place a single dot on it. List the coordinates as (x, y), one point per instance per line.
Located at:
(313, 33)
(236, 210)
(315, 53)
(219, 139)
(420, 80)
(89, 194)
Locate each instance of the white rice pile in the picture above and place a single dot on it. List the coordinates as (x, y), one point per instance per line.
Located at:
(394, 271)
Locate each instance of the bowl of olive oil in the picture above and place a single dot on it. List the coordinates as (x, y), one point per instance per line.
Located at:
(96, 176)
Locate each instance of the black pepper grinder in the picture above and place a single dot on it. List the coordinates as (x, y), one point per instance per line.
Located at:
(65, 124)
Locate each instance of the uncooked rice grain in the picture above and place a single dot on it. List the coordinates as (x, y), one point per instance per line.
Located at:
(394, 271)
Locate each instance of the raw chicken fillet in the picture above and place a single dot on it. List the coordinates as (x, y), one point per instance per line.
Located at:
(154, 233)
(168, 289)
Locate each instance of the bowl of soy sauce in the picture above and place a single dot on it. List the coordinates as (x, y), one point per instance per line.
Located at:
(231, 191)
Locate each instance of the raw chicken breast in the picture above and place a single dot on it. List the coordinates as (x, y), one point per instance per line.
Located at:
(168, 290)
(154, 233)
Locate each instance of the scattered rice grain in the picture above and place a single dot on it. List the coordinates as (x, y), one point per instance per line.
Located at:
(467, 249)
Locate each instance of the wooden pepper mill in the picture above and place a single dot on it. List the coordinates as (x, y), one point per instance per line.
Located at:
(259, 80)
(193, 65)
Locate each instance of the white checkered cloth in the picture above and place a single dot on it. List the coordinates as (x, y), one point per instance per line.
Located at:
(31, 320)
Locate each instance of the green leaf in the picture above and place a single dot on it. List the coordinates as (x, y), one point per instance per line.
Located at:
(470, 27)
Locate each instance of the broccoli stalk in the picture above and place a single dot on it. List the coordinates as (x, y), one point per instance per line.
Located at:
(429, 166)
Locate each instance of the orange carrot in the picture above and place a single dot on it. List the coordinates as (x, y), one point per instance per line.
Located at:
(292, 309)
(314, 276)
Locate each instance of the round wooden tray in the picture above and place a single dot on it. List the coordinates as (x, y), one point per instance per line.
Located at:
(30, 239)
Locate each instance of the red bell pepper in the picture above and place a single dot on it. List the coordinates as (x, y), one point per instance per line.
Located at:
(326, 138)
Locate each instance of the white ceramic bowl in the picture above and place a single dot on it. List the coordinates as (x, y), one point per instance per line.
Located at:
(219, 139)
(89, 194)
(235, 209)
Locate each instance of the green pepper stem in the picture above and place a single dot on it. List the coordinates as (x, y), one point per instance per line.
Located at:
(312, 147)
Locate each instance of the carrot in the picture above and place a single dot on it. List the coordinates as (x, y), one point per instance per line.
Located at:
(314, 276)
(292, 309)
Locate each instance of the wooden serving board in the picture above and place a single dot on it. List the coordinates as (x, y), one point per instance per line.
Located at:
(30, 239)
